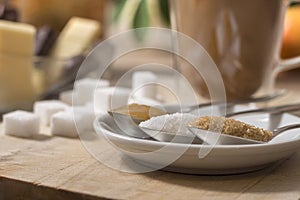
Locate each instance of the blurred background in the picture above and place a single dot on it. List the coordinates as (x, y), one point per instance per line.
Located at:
(51, 18)
(117, 16)
(120, 15)
(114, 16)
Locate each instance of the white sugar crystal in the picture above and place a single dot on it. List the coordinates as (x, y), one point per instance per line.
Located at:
(110, 98)
(21, 123)
(45, 109)
(85, 88)
(143, 84)
(63, 124)
(172, 123)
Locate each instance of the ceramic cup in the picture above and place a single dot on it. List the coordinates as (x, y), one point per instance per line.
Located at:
(242, 37)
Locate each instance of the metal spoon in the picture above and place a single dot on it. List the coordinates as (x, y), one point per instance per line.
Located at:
(215, 138)
(175, 137)
(130, 124)
(275, 113)
(271, 110)
(189, 108)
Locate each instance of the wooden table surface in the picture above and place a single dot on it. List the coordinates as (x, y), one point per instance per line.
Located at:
(59, 168)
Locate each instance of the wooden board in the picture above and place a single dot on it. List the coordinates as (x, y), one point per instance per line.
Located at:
(59, 168)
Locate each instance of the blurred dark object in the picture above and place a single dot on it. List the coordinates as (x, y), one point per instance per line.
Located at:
(45, 39)
(67, 78)
(8, 12)
(79, 67)
(295, 3)
(72, 66)
(165, 11)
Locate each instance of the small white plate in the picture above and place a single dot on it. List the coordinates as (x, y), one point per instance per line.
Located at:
(219, 159)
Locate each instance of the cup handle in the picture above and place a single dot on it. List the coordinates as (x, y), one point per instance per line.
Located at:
(289, 63)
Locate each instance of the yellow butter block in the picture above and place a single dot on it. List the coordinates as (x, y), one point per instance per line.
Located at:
(16, 54)
(78, 35)
(16, 86)
(38, 80)
(16, 38)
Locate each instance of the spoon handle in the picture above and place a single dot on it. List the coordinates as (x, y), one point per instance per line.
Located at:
(271, 110)
(232, 103)
(285, 128)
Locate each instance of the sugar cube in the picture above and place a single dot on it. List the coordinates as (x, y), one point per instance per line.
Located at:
(87, 114)
(66, 97)
(143, 84)
(63, 124)
(45, 109)
(110, 98)
(21, 123)
(71, 98)
(85, 88)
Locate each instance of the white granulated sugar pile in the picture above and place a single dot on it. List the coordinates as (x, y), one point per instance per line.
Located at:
(172, 123)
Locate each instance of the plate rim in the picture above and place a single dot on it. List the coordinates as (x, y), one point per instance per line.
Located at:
(98, 127)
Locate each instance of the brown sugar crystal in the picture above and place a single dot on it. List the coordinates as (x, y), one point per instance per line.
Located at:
(232, 127)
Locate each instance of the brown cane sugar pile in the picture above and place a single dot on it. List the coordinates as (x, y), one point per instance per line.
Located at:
(232, 127)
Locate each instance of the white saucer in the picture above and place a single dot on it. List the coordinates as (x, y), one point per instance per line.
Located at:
(221, 159)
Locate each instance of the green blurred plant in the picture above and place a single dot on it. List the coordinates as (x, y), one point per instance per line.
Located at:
(136, 14)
